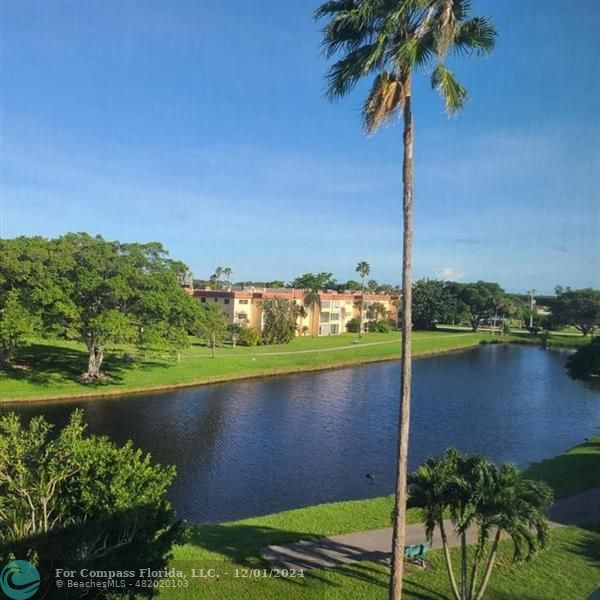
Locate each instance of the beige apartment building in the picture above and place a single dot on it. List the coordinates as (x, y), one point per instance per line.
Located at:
(245, 307)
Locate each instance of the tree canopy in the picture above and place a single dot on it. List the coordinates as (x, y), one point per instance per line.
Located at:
(280, 320)
(314, 281)
(99, 292)
(577, 308)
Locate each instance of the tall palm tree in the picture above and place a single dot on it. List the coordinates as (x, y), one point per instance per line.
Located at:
(391, 39)
(363, 268)
(312, 300)
(492, 499)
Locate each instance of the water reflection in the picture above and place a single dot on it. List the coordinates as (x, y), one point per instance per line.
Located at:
(255, 447)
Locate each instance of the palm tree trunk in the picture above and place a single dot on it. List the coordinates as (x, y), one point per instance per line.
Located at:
(401, 495)
(490, 566)
(448, 560)
(463, 565)
(362, 307)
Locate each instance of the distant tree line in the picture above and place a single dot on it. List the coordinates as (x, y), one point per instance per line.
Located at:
(306, 281)
(436, 302)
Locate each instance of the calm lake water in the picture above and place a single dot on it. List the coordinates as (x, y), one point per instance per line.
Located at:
(261, 446)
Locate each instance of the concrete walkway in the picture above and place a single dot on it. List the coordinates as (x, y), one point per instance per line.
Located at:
(376, 544)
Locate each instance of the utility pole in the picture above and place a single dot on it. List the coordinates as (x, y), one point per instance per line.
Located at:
(531, 304)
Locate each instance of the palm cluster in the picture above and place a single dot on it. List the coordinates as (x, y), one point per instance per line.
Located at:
(390, 39)
(492, 500)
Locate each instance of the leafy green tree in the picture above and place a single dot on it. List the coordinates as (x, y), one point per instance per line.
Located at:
(480, 299)
(433, 303)
(314, 281)
(372, 286)
(351, 285)
(236, 331)
(71, 498)
(211, 325)
(585, 363)
(100, 292)
(494, 500)
(16, 325)
(276, 283)
(280, 320)
(390, 40)
(122, 293)
(312, 301)
(578, 308)
(29, 267)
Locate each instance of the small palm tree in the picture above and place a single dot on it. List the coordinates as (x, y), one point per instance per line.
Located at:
(312, 300)
(390, 40)
(363, 269)
(494, 500)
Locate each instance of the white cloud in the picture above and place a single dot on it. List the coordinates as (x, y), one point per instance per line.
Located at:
(450, 274)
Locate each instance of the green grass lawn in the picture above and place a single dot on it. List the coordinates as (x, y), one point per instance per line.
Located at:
(49, 370)
(568, 569)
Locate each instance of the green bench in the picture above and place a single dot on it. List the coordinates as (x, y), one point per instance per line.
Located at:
(416, 553)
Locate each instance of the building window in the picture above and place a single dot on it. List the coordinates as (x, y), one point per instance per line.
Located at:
(226, 300)
(334, 316)
(216, 299)
(202, 299)
(335, 304)
(334, 329)
(325, 304)
(324, 317)
(242, 316)
(243, 301)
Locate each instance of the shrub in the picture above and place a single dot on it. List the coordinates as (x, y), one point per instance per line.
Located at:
(249, 337)
(353, 325)
(78, 501)
(585, 363)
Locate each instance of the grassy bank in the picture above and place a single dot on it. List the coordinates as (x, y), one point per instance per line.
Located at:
(48, 370)
(569, 569)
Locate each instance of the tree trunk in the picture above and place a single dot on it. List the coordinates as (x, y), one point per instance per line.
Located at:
(463, 565)
(448, 560)
(95, 358)
(401, 495)
(362, 307)
(490, 566)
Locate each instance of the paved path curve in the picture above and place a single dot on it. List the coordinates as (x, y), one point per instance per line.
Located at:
(376, 544)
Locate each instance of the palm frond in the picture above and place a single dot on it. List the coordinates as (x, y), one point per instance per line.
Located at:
(350, 26)
(347, 71)
(332, 7)
(476, 35)
(414, 52)
(385, 99)
(451, 90)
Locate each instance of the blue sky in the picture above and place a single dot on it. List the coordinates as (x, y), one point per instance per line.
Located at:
(203, 125)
